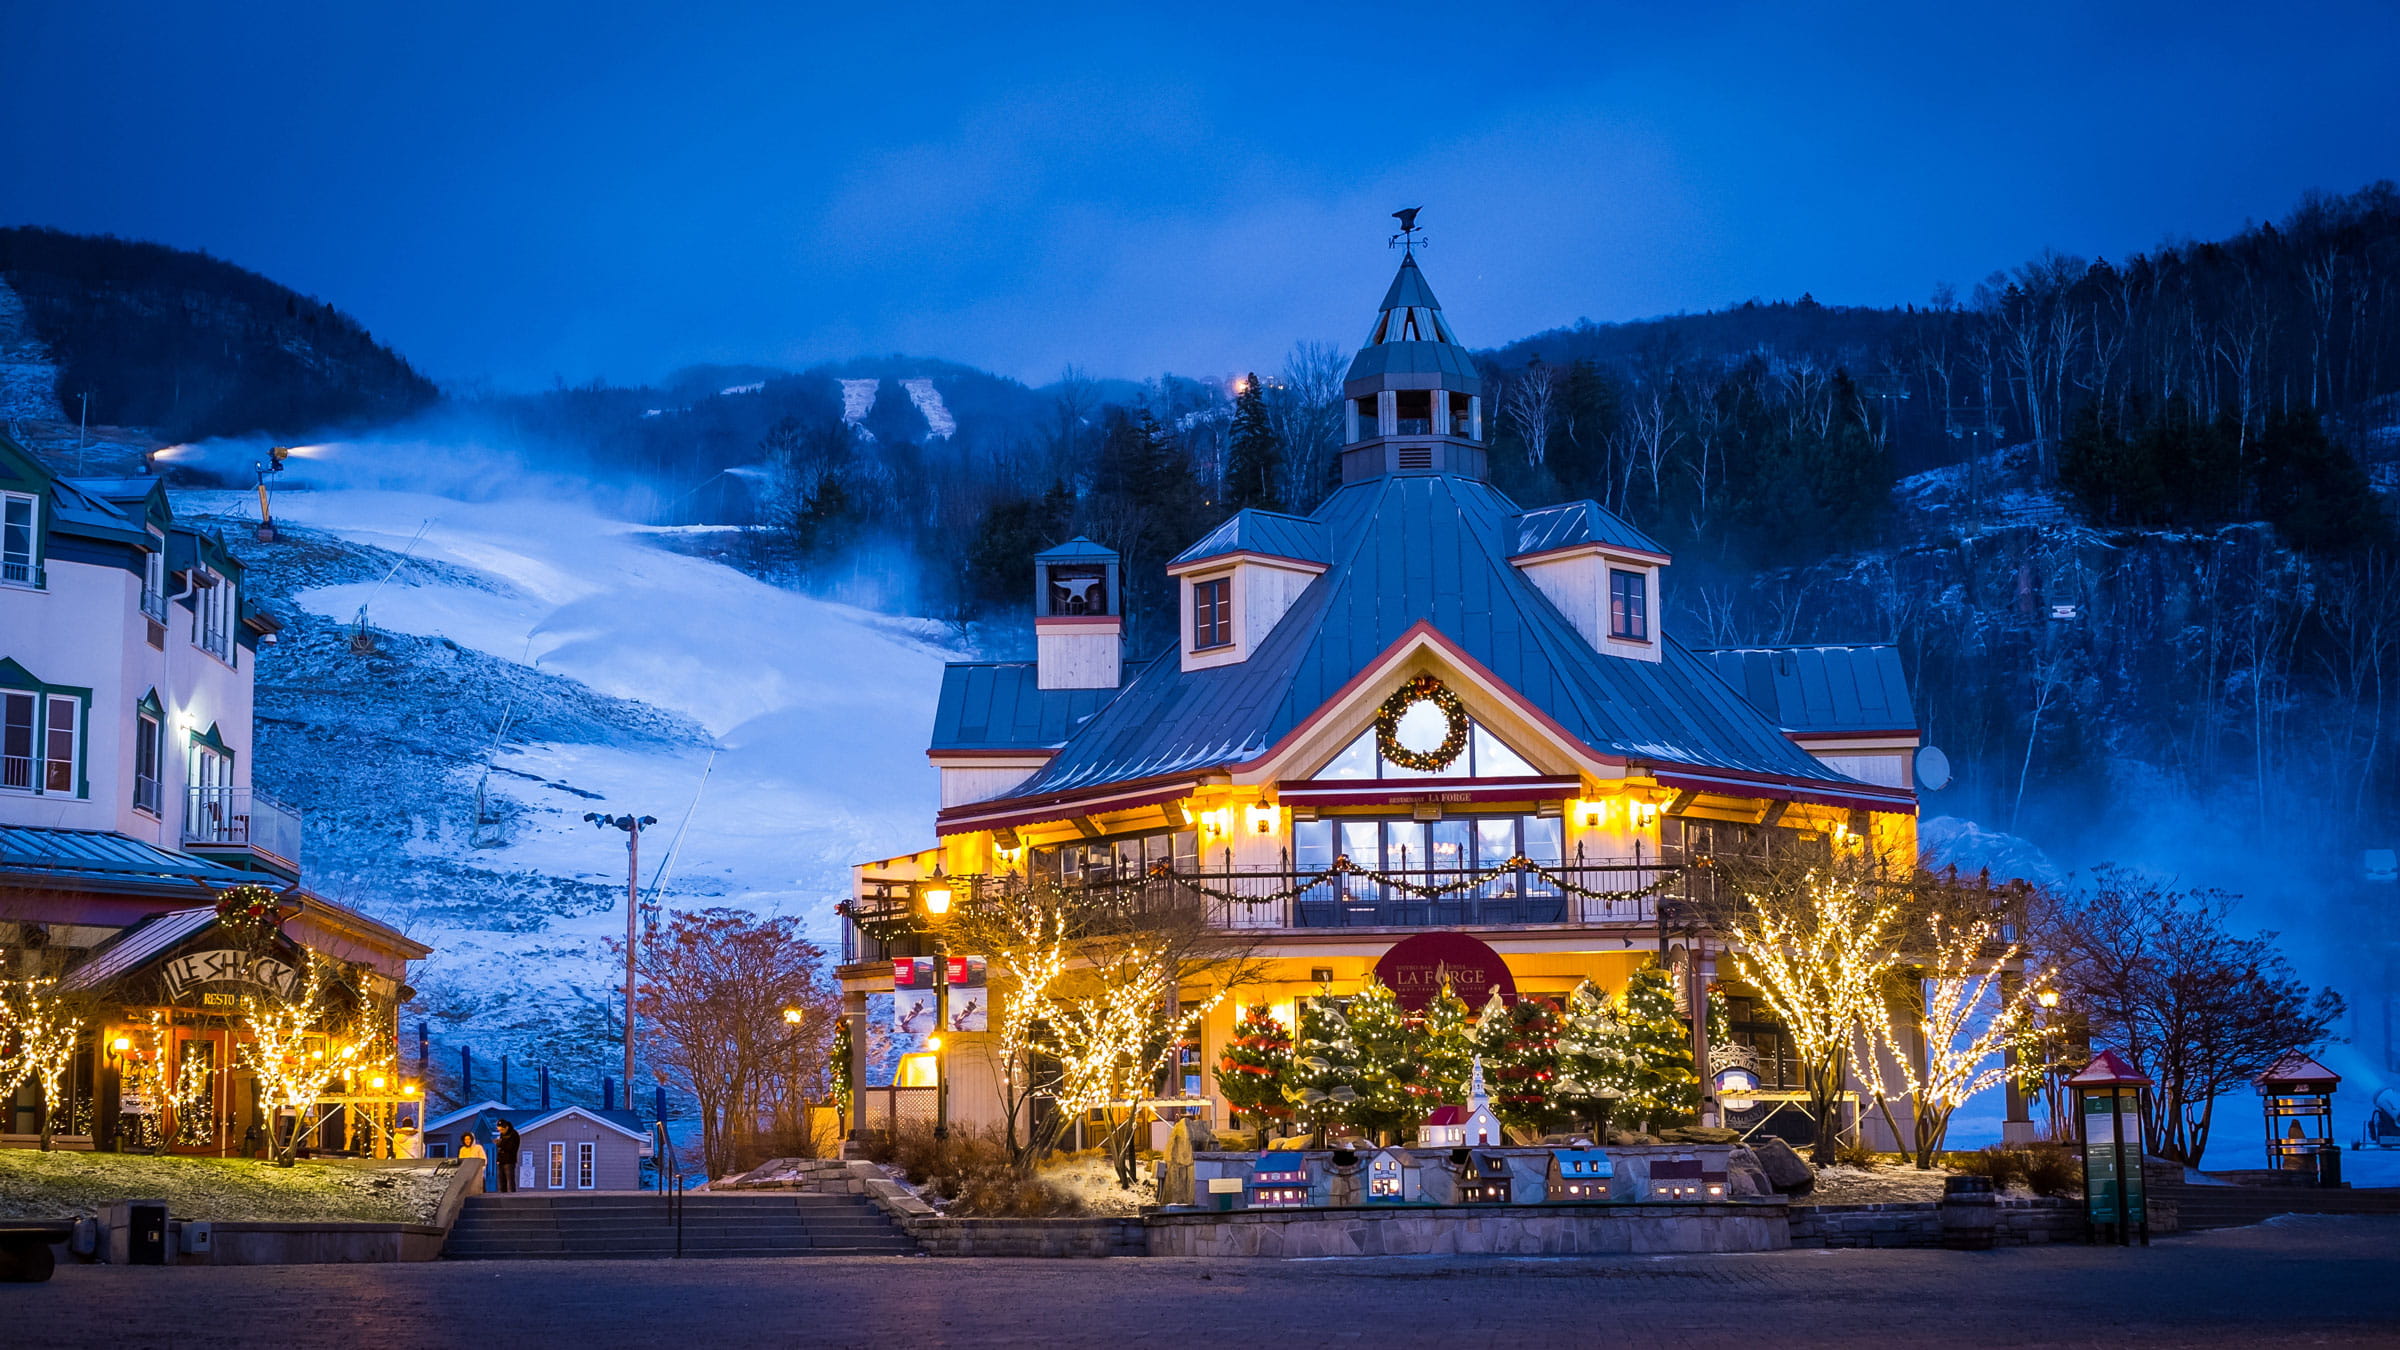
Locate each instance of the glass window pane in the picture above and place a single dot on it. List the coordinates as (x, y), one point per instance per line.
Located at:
(1312, 845)
(1493, 758)
(1362, 842)
(1542, 839)
(1404, 845)
(1453, 849)
(1187, 851)
(1495, 840)
(1357, 760)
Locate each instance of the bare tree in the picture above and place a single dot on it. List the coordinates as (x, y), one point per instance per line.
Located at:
(1530, 403)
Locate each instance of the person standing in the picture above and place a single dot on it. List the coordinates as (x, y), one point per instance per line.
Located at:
(505, 1145)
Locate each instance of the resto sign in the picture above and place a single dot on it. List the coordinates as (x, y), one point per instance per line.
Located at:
(1416, 967)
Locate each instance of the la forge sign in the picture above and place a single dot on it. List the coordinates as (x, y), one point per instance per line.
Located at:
(1416, 967)
(185, 976)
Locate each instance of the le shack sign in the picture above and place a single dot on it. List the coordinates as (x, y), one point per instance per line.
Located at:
(219, 978)
(1415, 969)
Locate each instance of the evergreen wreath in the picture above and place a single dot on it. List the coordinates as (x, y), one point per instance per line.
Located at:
(248, 912)
(1422, 689)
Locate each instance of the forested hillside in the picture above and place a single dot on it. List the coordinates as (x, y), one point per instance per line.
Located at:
(193, 346)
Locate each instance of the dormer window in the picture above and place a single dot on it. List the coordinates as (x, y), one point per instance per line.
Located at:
(1628, 607)
(1212, 613)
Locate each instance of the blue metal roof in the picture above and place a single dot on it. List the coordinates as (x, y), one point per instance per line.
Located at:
(1411, 336)
(138, 946)
(99, 854)
(1078, 547)
(1254, 531)
(1434, 549)
(999, 705)
(1856, 687)
(1570, 523)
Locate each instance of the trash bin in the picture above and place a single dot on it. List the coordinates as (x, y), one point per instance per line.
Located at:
(1970, 1213)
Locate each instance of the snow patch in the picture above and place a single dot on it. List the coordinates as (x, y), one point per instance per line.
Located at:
(938, 421)
(28, 378)
(858, 399)
(755, 386)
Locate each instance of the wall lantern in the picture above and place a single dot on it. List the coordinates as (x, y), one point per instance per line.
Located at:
(1218, 822)
(120, 1045)
(1589, 815)
(1262, 818)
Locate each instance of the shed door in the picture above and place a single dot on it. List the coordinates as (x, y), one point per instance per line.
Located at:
(584, 1168)
(558, 1167)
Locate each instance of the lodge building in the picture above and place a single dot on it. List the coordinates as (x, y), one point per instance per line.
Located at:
(128, 806)
(1424, 679)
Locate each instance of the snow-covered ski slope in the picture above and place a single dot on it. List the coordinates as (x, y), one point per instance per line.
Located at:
(807, 718)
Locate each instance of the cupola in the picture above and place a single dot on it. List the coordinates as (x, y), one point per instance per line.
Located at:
(1412, 402)
(1078, 621)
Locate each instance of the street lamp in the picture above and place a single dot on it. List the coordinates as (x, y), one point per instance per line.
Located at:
(633, 827)
(936, 899)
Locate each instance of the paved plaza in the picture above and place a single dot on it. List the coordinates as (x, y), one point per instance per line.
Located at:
(2297, 1281)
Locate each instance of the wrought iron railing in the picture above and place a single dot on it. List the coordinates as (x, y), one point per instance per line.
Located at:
(147, 795)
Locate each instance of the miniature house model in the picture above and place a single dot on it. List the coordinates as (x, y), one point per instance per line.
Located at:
(1279, 1180)
(1392, 1177)
(1579, 1174)
(1486, 1180)
(1685, 1179)
(1470, 1126)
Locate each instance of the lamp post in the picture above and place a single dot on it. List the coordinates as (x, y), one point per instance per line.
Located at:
(936, 899)
(633, 827)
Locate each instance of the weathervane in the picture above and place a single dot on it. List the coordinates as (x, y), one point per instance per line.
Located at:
(1407, 239)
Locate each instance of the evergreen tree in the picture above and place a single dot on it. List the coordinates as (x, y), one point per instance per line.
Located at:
(1254, 461)
(1594, 1072)
(1445, 1045)
(1250, 1075)
(1387, 1057)
(1323, 1083)
(1519, 1044)
(1660, 1083)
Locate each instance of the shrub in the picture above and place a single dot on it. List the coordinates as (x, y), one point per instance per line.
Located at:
(1858, 1155)
(2053, 1169)
(972, 1173)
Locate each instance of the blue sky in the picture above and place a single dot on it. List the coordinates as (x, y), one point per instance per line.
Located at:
(518, 192)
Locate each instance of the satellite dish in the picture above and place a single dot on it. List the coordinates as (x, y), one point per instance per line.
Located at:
(1933, 769)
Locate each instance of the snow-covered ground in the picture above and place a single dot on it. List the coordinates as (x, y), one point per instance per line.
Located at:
(783, 742)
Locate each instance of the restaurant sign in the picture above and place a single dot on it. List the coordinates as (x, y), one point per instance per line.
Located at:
(218, 979)
(1416, 968)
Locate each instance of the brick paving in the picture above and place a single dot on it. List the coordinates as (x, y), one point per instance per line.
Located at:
(2301, 1281)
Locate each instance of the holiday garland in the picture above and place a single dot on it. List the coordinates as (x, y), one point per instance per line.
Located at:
(1422, 689)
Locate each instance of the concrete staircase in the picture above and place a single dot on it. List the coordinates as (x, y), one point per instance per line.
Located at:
(630, 1226)
(2236, 1206)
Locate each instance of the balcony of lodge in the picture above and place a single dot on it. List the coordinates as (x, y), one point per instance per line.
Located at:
(884, 919)
(222, 822)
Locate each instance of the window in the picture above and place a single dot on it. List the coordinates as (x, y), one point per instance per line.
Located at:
(558, 1167)
(1628, 606)
(1078, 590)
(1414, 407)
(1126, 859)
(148, 750)
(18, 514)
(586, 1170)
(1212, 614)
(1486, 755)
(1369, 421)
(1462, 416)
(58, 736)
(212, 615)
(17, 740)
(154, 578)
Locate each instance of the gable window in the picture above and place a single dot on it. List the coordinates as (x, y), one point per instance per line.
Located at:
(1628, 606)
(18, 513)
(1486, 756)
(212, 615)
(149, 731)
(1212, 614)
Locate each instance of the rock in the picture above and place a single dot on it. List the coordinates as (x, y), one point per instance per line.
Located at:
(1631, 1138)
(1699, 1134)
(1743, 1175)
(1786, 1171)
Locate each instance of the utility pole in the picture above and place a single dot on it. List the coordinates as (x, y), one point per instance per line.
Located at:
(633, 827)
(83, 424)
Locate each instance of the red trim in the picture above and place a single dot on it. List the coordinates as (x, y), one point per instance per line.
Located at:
(1412, 791)
(1851, 735)
(1038, 752)
(1605, 550)
(1862, 797)
(1077, 621)
(1062, 806)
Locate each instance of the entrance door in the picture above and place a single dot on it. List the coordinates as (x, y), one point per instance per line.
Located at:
(558, 1167)
(586, 1174)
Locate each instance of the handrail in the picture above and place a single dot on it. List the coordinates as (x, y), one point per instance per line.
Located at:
(670, 1180)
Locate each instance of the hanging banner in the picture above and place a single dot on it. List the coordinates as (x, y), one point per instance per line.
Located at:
(1416, 968)
(913, 996)
(970, 996)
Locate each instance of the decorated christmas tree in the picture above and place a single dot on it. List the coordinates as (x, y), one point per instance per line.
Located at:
(1519, 1045)
(1323, 1085)
(1250, 1074)
(1445, 1044)
(1593, 1069)
(1661, 1087)
(1387, 1057)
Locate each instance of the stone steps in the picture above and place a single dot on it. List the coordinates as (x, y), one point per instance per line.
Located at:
(621, 1227)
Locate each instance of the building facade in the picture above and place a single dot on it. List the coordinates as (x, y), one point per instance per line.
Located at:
(1419, 680)
(128, 650)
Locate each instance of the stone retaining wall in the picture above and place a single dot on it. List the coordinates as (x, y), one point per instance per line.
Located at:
(1506, 1230)
(2017, 1223)
(1028, 1237)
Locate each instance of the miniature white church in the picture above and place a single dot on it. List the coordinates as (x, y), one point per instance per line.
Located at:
(1469, 1126)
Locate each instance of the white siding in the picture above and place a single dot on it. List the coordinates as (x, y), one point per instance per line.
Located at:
(1078, 658)
(983, 782)
(1577, 584)
(1883, 770)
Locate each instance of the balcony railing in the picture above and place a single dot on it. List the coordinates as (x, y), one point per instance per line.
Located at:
(231, 817)
(146, 795)
(16, 773)
(22, 572)
(154, 605)
(1582, 894)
